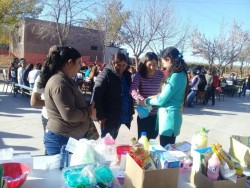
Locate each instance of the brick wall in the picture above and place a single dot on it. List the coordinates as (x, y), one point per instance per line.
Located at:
(26, 43)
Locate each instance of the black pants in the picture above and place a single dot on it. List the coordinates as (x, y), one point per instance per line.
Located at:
(112, 127)
(207, 95)
(147, 125)
(165, 140)
(213, 94)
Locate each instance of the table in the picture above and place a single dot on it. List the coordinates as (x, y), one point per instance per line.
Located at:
(39, 178)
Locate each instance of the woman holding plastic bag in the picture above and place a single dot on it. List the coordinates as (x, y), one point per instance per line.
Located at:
(147, 82)
(171, 98)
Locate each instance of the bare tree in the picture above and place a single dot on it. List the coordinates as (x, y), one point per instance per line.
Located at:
(230, 45)
(108, 17)
(204, 47)
(140, 30)
(172, 32)
(63, 14)
(244, 57)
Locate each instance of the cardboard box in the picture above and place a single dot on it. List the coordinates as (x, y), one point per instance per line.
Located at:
(136, 177)
(240, 149)
(201, 181)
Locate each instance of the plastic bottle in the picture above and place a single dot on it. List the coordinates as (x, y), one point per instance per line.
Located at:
(201, 138)
(108, 140)
(144, 140)
(141, 156)
(64, 157)
(108, 148)
(213, 167)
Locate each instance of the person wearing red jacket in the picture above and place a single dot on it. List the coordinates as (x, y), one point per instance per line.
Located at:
(214, 85)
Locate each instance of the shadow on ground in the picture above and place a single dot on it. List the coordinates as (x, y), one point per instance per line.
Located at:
(15, 136)
(230, 106)
(11, 106)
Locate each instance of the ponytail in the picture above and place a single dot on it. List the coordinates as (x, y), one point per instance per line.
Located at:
(56, 59)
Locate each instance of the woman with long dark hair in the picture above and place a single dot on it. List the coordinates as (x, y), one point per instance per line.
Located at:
(146, 83)
(172, 96)
(68, 112)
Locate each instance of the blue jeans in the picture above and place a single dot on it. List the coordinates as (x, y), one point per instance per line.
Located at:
(53, 142)
(112, 127)
(190, 98)
(244, 89)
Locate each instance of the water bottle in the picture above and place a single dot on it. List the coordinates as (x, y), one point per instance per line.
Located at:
(144, 140)
(213, 167)
(64, 157)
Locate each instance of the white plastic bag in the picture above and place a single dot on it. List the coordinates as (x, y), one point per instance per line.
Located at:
(83, 153)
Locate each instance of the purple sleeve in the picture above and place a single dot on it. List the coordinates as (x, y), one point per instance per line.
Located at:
(194, 82)
(134, 88)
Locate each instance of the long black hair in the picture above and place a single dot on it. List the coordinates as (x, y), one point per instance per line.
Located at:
(142, 69)
(56, 61)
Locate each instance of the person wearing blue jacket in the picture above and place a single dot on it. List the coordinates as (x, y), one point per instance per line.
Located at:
(172, 96)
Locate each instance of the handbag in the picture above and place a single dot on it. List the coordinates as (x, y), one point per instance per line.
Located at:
(92, 133)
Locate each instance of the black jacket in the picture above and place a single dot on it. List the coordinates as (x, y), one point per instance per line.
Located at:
(107, 94)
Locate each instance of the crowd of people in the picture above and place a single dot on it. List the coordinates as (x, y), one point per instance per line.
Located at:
(22, 73)
(116, 87)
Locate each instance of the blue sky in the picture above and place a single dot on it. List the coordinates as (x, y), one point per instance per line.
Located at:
(207, 15)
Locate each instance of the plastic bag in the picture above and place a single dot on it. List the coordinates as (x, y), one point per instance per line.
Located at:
(105, 150)
(143, 111)
(83, 153)
(88, 175)
(227, 173)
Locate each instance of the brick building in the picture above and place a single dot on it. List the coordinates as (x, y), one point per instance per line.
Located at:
(24, 42)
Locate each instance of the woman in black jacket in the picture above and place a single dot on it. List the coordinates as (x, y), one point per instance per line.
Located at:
(111, 98)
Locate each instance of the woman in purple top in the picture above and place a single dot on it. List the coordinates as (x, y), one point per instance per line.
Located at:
(147, 82)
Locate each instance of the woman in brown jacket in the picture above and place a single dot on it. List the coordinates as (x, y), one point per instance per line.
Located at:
(68, 112)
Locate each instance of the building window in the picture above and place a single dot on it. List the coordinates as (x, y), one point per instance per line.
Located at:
(94, 48)
(19, 38)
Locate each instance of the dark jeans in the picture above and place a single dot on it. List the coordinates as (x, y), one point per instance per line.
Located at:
(53, 142)
(112, 127)
(165, 140)
(213, 94)
(244, 89)
(210, 93)
(147, 125)
(207, 95)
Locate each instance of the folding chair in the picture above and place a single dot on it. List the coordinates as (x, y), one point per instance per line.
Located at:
(200, 97)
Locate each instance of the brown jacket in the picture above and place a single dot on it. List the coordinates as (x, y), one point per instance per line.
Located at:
(68, 113)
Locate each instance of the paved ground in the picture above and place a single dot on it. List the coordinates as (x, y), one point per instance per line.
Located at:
(21, 129)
